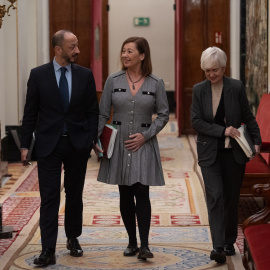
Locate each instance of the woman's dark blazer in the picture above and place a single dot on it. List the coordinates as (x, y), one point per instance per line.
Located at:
(237, 111)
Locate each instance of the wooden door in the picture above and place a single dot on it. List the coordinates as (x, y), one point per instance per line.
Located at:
(88, 20)
(199, 25)
(75, 16)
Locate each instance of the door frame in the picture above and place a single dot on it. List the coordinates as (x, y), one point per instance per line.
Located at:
(178, 63)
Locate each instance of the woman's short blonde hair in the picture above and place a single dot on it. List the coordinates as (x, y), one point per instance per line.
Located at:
(213, 56)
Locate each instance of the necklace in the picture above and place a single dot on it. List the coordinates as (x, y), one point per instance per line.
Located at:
(133, 86)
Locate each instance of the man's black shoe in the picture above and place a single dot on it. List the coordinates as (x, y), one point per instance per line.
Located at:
(131, 250)
(218, 255)
(46, 257)
(229, 250)
(74, 247)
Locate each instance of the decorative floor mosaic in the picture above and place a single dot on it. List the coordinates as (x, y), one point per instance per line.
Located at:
(173, 248)
(110, 257)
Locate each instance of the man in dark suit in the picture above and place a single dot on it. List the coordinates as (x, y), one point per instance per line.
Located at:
(62, 108)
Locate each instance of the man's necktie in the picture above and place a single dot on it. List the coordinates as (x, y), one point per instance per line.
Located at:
(63, 87)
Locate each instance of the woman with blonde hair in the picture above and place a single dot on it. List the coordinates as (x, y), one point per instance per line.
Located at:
(219, 107)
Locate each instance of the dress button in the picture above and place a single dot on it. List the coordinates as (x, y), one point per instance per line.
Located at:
(131, 122)
(131, 111)
(129, 154)
(128, 165)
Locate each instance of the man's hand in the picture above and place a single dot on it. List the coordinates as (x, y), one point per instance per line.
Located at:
(135, 142)
(24, 154)
(97, 149)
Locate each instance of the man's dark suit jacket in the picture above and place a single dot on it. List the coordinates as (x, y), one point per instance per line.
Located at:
(45, 114)
(237, 111)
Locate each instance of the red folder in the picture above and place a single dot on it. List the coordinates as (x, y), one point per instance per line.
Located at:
(107, 140)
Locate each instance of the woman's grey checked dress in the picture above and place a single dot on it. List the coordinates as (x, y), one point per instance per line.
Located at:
(133, 114)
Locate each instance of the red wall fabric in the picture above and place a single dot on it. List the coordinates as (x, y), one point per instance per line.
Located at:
(263, 119)
(97, 41)
(258, 240)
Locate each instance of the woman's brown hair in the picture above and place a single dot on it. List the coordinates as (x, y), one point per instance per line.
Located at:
(143, 47)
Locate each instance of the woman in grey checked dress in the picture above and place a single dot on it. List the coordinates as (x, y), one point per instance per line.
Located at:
(134, 93)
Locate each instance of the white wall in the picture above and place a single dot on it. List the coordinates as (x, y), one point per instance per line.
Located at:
(33, 42)
(235, 38)
(27, 49)
(43, 37)
(8, 62)
(24, 45)
(160, 33)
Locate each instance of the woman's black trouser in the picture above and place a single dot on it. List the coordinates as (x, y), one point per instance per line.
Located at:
(222, 182)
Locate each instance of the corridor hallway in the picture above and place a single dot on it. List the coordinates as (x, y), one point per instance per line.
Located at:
(179, 234)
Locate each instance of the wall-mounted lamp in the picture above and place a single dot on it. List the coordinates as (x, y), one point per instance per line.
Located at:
(3, 10)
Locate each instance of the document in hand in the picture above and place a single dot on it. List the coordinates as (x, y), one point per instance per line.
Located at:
(107, 140)
(245, 141)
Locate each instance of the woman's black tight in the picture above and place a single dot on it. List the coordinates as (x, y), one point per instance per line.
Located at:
(130, 209)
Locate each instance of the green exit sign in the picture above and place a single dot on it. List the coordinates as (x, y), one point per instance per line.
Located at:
(141, 21)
